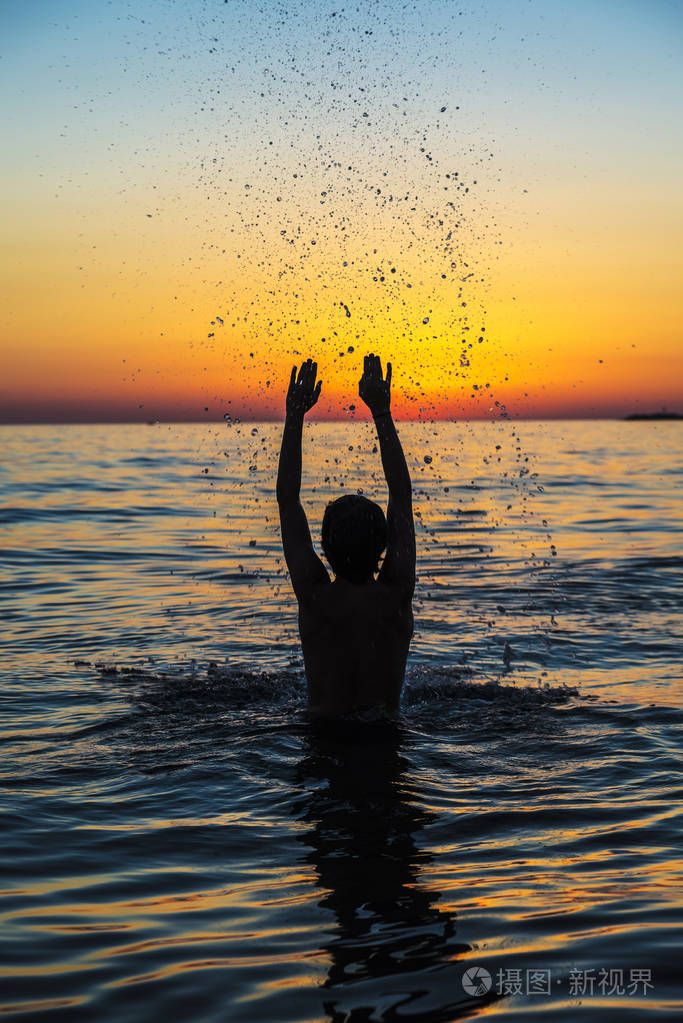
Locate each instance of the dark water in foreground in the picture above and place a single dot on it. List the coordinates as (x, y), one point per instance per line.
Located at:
(178, 840)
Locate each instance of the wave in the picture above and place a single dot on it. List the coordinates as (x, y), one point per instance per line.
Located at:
(235, 687)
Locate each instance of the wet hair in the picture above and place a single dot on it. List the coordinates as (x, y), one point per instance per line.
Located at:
(353, 537)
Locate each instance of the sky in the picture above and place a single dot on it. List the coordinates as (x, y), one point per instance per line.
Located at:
(200, 194)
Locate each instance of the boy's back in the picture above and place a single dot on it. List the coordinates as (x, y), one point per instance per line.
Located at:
(355, 641)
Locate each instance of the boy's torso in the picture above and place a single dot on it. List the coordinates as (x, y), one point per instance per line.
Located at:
(355, 643)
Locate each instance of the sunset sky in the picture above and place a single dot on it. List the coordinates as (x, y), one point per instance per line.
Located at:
(199, 194)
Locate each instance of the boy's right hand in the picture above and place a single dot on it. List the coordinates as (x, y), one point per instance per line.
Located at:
(375, 391)
(303, 391)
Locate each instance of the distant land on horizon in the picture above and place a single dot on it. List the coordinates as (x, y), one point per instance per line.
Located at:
(653, 415)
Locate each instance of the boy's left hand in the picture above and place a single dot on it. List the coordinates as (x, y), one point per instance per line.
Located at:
(303, 391)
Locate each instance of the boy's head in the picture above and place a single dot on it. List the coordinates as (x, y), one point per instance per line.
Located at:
(354, 536)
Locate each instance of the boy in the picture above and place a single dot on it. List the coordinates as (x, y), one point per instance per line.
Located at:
(356, 630)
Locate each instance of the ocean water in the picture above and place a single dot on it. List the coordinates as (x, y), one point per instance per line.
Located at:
(179, 841)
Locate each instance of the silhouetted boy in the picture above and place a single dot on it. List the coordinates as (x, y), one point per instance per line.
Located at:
(355, 631)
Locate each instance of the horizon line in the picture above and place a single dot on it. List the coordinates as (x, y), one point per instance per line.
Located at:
(518, 417)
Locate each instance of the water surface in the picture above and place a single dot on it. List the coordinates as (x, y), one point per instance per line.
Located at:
(179, 840)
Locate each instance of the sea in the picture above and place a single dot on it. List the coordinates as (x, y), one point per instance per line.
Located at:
(180, 841)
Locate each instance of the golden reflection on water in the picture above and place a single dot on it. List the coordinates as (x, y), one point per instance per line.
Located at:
(243, 896)
(42, 1005)
(225, 962)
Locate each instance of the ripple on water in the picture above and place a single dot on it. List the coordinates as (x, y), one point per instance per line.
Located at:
(179, 839)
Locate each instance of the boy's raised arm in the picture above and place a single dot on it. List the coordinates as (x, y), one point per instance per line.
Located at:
(305, 567)
(399, 562)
